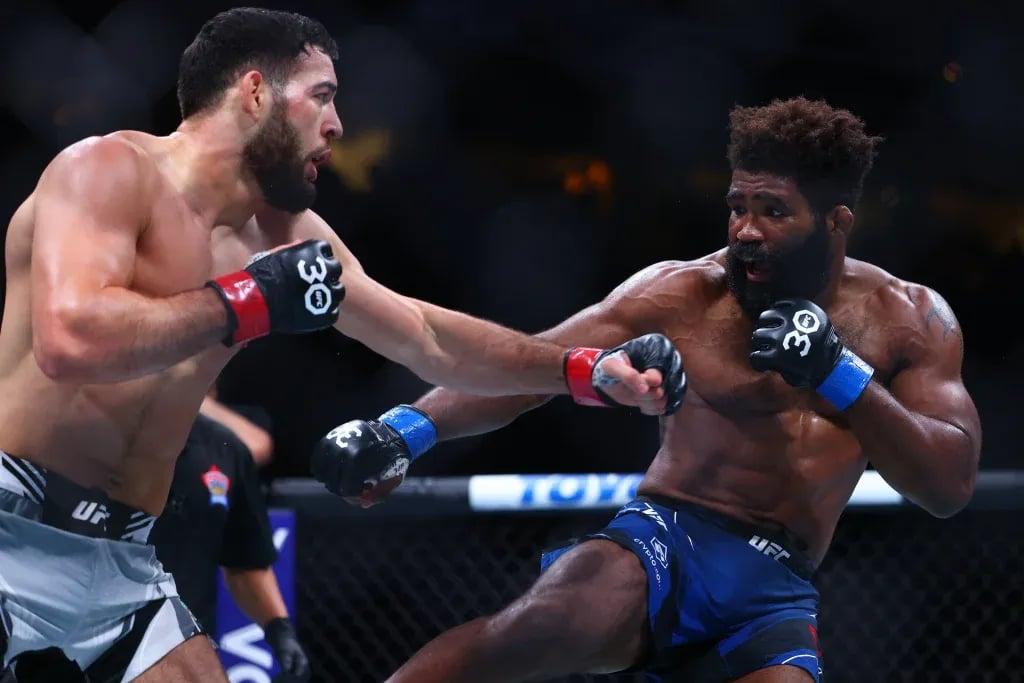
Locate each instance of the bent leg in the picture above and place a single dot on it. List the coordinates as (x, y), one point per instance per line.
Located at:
(586, 613)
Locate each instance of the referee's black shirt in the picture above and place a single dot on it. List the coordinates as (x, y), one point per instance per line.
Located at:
(214, 516)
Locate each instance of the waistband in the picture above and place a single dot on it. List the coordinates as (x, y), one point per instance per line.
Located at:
(778, 543)
(54, 500)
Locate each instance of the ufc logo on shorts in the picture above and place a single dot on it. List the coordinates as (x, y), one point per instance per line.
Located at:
(90, 511)
(318, 295)
(768, 548)
(806, 323)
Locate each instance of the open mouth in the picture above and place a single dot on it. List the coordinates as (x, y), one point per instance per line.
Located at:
(315, 162)
(758, 271)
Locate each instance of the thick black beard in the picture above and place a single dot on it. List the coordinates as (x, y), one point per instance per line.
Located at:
(274, 159)
(800, 272)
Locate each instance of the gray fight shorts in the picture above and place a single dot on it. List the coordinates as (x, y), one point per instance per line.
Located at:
(77, 573)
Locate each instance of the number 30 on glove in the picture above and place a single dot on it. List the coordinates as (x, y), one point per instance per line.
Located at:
(796, 339)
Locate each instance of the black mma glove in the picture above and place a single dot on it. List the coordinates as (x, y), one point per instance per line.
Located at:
(796, 339)
(280, 635)
(291, 290)
(652, 351)
(367, 459)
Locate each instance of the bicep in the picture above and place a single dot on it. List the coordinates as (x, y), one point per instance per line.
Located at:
(87, 221)
(930, 382)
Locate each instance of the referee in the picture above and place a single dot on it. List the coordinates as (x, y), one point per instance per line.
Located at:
(215, 516)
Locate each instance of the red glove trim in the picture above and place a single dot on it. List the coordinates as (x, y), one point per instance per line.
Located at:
(579, 370)
(244, 297)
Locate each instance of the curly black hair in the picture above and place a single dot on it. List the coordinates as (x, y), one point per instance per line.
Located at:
(825, 150)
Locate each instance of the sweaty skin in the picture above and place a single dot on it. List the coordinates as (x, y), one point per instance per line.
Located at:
(744, 442)
(110, 340)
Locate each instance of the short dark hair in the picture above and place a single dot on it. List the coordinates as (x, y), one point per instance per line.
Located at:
(826, 151)
(245, 38)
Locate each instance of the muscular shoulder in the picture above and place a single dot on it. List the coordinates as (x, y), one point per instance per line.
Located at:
(915, 314)
(102, 167)
(671, 289)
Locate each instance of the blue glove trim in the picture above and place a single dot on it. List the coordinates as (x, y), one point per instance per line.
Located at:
(415, 428)
(847, 380)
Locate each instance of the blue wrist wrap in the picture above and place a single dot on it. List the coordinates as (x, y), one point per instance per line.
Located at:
(847, 380)
(415, 428)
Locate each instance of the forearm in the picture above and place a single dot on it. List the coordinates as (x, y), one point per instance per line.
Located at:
(458, 415)
(256, 593)
(117, 335)
(932, 462)
(472, 355)
(447, 348)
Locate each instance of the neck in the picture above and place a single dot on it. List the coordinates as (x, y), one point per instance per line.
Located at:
(827, 295)
(207, 155)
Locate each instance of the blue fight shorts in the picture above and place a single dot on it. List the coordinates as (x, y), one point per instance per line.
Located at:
(724, 597)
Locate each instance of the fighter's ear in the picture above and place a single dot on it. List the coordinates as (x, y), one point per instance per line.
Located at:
(254, 91)
(839, 219)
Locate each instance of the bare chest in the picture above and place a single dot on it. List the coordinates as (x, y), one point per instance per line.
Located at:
(179, 251)
(716, 356)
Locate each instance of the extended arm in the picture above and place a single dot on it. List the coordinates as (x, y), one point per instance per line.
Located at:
(449, 348)
(364, 460)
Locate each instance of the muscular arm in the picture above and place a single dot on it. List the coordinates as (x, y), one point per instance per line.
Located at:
(441, 346)
(256, 593)
(88, 326)
(631, 308)
(924, 434)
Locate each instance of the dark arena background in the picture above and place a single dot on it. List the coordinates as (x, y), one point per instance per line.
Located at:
(516, 161)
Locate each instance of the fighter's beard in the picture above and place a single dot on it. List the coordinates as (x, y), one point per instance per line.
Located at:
(273, 158)
(800, 273)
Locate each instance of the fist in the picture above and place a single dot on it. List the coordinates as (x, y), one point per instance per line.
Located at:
(361, 461)
(301, 284)
(293, 289)
(796, 339)
(646, 372)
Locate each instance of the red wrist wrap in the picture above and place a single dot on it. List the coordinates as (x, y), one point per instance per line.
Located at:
(579, 369)
(246, 300)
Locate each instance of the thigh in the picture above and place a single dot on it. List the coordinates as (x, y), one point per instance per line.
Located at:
(590, 606)
(194, 661)
(777, 674)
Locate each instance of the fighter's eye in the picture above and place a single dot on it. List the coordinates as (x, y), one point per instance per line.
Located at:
(739, 210)
(775, 213)
(325, 97)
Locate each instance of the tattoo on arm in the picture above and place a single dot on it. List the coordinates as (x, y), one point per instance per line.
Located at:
(941, 312)
(945, 318)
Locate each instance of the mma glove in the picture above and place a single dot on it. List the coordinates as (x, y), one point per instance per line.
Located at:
(291, 658)
(796, 339)
(291, 290)
(364, 460)
(584, 375)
